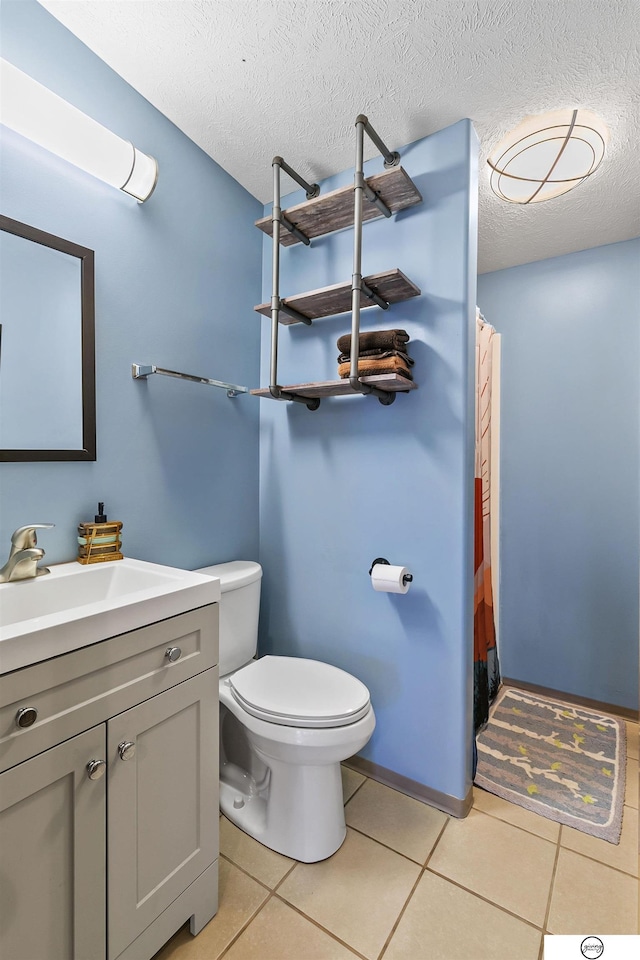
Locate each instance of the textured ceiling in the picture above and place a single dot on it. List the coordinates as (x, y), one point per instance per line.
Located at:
(248, 79)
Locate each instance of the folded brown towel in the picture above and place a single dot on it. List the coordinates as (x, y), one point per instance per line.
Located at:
(380, 354)
(369, 368)
(375, 340)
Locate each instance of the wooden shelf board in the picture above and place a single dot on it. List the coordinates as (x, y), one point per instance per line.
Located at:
(391, 285)
(334, 211)
(391, 382)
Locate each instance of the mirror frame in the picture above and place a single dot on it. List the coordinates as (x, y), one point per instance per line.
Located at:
(87, 294)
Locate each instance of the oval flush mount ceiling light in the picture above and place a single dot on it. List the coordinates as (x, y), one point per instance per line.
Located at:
(547, 155)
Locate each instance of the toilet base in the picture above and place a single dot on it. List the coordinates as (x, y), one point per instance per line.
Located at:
(297, 810)
(282, 784)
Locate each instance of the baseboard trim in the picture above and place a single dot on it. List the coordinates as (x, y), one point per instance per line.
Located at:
(443, 801)
(625, 712)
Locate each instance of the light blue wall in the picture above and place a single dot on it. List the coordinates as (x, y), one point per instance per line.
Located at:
(356, 480)
(569, 523)
(176, 280)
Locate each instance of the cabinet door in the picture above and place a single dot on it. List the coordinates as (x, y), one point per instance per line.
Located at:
(163, 803)
(53, 858)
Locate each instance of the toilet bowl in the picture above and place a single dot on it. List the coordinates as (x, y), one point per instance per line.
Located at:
(286, 723)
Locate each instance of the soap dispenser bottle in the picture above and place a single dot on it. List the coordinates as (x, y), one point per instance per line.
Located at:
(99, 541)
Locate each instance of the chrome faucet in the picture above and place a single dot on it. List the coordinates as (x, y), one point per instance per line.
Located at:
(25, 554)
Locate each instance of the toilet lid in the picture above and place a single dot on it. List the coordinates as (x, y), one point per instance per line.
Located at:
(299, 693)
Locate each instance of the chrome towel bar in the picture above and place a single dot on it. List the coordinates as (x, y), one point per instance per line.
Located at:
(141, 372)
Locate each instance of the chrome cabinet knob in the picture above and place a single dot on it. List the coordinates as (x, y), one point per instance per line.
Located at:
(172, 654)
(127, 750)
(96, 769)
(26, 717)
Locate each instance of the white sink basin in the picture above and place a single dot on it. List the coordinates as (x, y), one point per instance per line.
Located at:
(76, 605)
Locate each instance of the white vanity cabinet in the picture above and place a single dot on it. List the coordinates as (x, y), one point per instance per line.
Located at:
(109, 799)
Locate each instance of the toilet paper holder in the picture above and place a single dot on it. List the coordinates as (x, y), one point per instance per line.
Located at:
(407, 578)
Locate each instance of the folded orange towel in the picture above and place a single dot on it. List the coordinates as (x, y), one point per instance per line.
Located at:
(369, 368)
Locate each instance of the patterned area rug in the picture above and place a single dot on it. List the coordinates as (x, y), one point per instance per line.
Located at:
(564, 762)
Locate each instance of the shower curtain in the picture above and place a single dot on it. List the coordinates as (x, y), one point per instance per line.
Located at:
(485, 652)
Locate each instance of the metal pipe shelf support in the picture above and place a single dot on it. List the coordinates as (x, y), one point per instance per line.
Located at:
(298, 234)
(373, 197)
(276, 391)
(356, 279)
(312, 189)
(291, 312)
(391, 157)
(372, 295)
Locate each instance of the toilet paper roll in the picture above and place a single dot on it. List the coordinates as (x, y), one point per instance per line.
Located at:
(386, 578)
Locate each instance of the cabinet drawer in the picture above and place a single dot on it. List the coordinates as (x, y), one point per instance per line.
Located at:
(83, 688)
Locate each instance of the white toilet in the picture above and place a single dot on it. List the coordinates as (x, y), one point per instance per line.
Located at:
(285, 725)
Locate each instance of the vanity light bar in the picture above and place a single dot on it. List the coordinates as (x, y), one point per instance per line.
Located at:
(35, 112)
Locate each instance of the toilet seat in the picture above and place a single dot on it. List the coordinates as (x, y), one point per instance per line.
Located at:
(297, 692)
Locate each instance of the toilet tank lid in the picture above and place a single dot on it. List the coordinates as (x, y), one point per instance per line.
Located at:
(234, 574)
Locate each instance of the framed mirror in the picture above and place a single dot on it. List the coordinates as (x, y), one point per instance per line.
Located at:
(47, 346)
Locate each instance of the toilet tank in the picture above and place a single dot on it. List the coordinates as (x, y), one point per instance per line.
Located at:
(239, 608)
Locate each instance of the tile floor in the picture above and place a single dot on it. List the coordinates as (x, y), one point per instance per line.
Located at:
(411, 883)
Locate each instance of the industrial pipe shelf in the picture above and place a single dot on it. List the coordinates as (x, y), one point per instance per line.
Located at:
(379, 195)
(334, 211)
(390, 383)
(391, 286)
